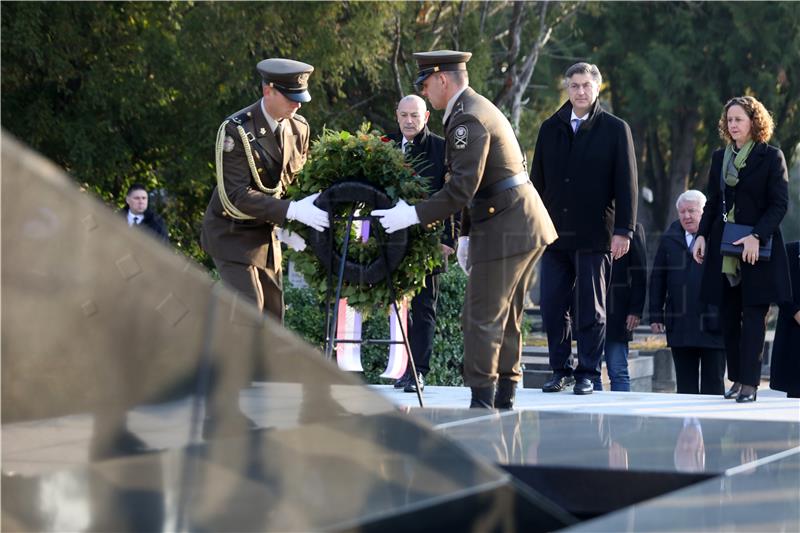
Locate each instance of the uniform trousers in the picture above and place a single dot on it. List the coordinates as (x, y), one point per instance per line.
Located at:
(492, 316)
(743, 330)
(705, 366)
(263, 286)
(423, 324)
(574, 286)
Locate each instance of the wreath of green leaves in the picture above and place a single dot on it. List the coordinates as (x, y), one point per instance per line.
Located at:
(365, 156)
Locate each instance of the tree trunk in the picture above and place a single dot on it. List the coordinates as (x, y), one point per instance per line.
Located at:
(682, 131)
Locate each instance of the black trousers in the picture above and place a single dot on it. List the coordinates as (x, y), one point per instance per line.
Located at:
(703, 365)
(743, 330)
(423, 324)
(574, 286)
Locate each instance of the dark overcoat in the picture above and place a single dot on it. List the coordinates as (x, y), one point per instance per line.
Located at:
(628, 289)
(785, 364)
(675, 281)
(587, 180)
(760, 198)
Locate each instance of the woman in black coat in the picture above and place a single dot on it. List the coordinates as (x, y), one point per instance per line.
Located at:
(756, 184)
(693, 330)
(785, 368)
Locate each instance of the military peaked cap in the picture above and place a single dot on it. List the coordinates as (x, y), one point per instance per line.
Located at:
(439, 61)
(290, 77)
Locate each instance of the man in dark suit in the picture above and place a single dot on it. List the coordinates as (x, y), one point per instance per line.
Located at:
(693, 328)
(508, 226)
(584, 168)
(426, 150)
(139, 214)
(260, 149)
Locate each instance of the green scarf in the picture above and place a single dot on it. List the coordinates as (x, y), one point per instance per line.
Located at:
(730, 173)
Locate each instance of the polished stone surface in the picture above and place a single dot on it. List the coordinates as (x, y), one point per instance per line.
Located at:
(762, 497)
(616, 442)
(771, 405)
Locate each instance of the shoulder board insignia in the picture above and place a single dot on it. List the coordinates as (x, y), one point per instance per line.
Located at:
(300, 118)
(240, 118)
(460, 135)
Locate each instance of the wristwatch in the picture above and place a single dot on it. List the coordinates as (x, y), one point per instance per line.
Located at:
(758, 238)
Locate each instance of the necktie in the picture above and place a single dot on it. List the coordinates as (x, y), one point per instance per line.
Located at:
(692, 237)
(279, 135)
(576, 123)
(407, 148)
(135, 220)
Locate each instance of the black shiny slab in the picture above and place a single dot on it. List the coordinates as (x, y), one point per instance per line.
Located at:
(763, 498)
(614, 442)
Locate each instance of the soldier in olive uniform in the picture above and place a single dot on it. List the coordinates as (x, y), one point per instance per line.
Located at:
(505, 226)
(259, 151)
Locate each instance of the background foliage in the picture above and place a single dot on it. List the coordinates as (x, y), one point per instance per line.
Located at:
(118, 92)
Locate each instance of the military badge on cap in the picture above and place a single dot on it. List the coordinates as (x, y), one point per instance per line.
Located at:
(460, 137)
(290, 77)
(228, 144)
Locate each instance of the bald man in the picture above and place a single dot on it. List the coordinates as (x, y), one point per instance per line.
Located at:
(426, 150)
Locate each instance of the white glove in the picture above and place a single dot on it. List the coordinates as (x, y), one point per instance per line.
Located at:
(291, 239)
(306, 212)
(462, 253)
(399, 217)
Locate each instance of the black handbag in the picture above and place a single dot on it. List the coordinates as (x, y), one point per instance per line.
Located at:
(733, 232)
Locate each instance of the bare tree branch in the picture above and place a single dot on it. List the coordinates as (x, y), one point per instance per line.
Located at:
(395, 56)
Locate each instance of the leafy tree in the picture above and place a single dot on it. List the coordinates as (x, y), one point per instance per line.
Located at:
(671, 66)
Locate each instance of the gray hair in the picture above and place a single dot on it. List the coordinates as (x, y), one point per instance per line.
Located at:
(692, 195)
(584, 68)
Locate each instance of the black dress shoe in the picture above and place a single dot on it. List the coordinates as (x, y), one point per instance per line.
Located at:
(583, 386)
(747, 395)
(402, 382)
(412, 387)
(733, 392)
(557, 383)
(506, 391)
(482, 397)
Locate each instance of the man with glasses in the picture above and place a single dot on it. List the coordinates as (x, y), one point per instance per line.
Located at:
(505, 226)
(584, 167)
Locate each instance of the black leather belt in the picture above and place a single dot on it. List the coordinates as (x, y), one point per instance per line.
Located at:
(502, 185)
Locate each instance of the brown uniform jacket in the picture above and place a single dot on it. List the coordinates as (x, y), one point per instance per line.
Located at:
(249, 241)
(481, 150)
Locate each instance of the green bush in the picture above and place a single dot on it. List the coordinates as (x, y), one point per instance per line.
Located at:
(306, 317)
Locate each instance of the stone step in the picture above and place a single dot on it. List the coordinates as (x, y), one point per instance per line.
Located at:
(541, 351)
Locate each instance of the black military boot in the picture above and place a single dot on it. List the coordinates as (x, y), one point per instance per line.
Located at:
(506, 390)
(483, 397)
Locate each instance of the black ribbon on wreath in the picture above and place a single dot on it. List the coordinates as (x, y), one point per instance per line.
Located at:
(394, 245)
(341, 200)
